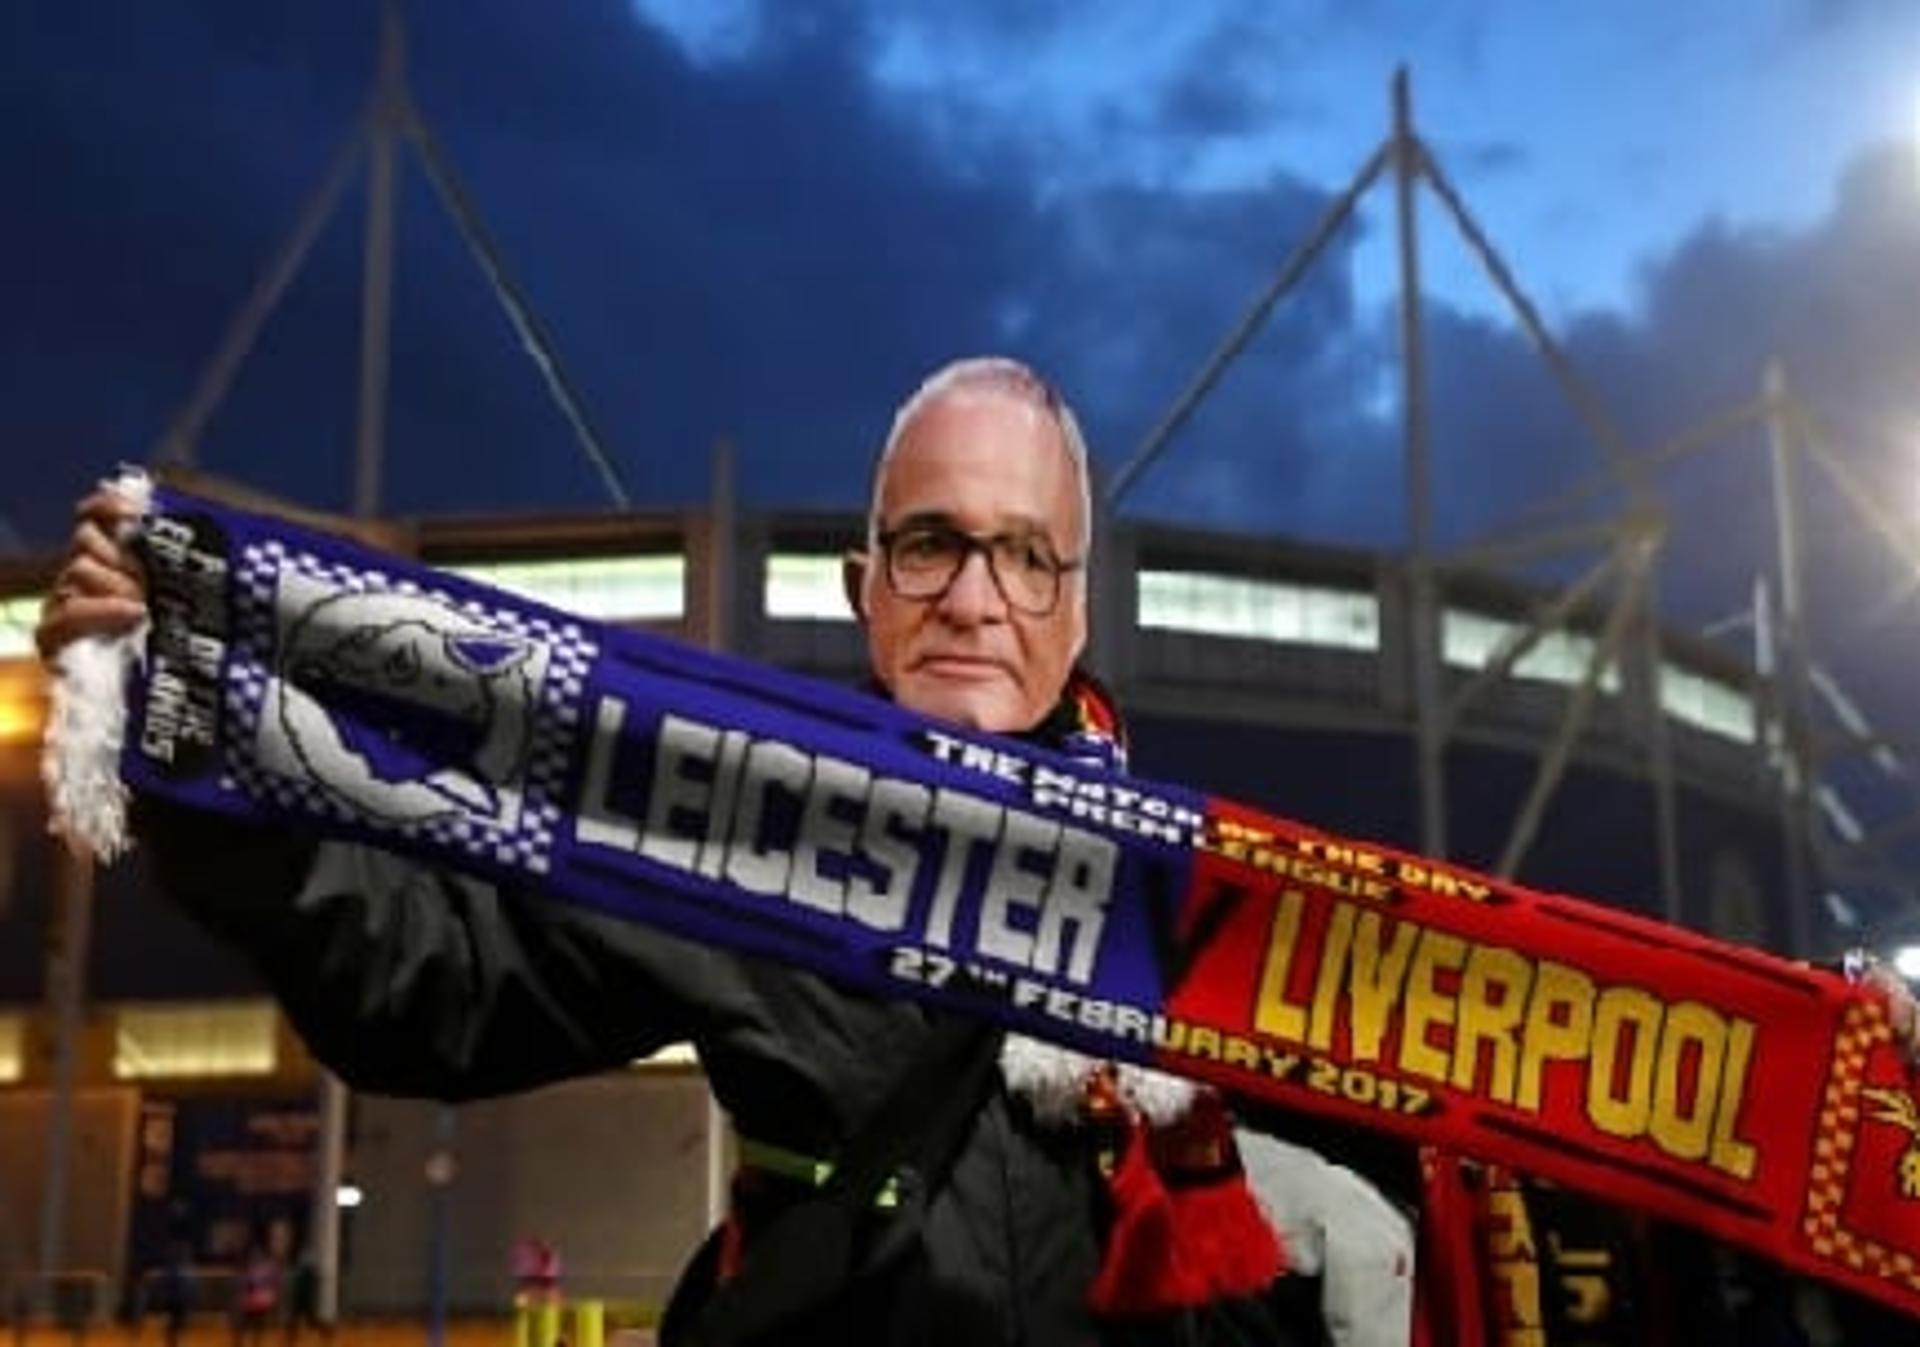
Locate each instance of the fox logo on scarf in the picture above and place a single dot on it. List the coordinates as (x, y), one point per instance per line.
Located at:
(440, 705)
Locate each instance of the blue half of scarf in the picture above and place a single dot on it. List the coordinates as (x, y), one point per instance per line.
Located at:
(298, 680)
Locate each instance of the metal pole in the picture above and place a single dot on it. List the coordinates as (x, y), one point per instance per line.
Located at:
(1872, 509)
(1885, 835)
(533, 337)
(1761, 622)
(1796, 786)
(180, 443)
(1771, 738)
(384, 111)
(1682, 444)
(1606, 651)
(723, 524)
(1104, 578)
(329, 1170)
(1423, 618)
(723, 536)
(1495, 553)
(376, 292)
(1581, 398)
(1860, 733)
(67, 989)
(1517, 643)
(1666, 819)
(1202, 383)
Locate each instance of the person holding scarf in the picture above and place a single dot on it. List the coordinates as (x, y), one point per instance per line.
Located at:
(1010, 1192)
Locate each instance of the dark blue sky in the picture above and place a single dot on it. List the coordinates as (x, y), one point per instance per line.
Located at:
(765, 220)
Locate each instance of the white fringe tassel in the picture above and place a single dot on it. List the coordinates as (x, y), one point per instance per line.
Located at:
(1053, 1080)
(87, 724)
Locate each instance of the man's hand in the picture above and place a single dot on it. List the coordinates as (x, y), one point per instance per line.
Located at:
(100, 589)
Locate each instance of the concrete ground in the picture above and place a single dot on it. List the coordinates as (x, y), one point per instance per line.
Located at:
(216, 1331)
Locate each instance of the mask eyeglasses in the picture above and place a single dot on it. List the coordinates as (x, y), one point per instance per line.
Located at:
(922, 561)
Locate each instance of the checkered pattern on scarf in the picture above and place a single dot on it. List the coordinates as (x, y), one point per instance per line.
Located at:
(527, 844)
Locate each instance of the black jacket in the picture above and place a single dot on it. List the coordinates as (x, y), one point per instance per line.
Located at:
(413, 981)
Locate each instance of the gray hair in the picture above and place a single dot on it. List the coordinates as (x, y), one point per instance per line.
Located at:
(997, 374)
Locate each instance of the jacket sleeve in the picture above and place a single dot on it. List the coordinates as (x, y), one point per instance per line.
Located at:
(405, 979)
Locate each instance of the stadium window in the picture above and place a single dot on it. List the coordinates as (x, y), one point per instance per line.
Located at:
(1280, 611)
(183, 1041)
(13, 1048)
(607, 588)
(1468, 640)
(17, 618)
(1707, 704)
(805, 585)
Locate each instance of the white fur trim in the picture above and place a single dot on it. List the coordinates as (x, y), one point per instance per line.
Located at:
(87, 724)
(1053, 1081)
(1050, 1079)
(1156, 1096)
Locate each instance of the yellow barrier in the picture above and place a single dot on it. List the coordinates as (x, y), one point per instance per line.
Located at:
(539, 1325)
(590, 1324)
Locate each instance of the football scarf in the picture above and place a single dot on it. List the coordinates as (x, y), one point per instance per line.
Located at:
(292, 679)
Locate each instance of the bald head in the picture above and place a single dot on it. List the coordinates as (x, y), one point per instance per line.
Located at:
(1002, 377)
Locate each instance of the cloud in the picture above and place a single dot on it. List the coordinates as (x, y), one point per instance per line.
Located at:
(1824, 16)
(1481, 159)
(1834, 303)
(1211, 102)
(774, 243)
(1234, 78)
(771, 249)
(1148, 283)
(750, 250)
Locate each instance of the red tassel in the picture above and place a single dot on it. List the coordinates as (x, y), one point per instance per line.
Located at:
(1203, 1239)
(1142, 1270)
(1222, 1229)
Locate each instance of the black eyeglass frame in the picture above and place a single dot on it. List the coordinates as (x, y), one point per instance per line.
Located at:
(1059, 568)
